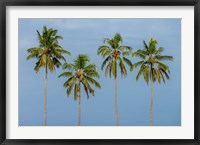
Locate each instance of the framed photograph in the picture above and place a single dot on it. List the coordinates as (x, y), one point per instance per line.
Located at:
(99, 72)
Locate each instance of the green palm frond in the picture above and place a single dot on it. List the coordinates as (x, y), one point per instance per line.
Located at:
(157, 75)
(32, 55)
(92, 73)
(145, 45)
(110, 42)
(41, 63)
(117, 40)
(152, 45)
(105, 61)
(63, 51)
(159, 50)
(50, 64)
(114, 68)
(103, 50)
(125, 48)
(93, 81)
(140, 72)
(154, 75)
(81, 61)
(135, 65)
(127, 61)
(140, 53)
(90, 67)
(66, 74)
(76, 91)
(146, 73)
(126, 53)
(56, 62)
(108, 69)
(85, 82)
(122, 67)
(34, 50)
(166, 74)
(69, 81)
(68, 66)
(106, 53)
(162, 65)
(69, 89)
(160, 57)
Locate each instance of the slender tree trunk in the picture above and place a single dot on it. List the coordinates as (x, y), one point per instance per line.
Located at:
(79, 108)
(115, 100)
(151, 104)
(45, 97)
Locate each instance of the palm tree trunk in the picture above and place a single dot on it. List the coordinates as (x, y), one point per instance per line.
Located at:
(115, 100)
(151, 104)
(45, 98)
(79, 108)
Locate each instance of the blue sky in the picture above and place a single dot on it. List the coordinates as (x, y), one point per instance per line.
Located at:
(85, 36)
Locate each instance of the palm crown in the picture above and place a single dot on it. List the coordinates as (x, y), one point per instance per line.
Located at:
(115, 52)
(49, 53)
(80, 73)
(151, 66)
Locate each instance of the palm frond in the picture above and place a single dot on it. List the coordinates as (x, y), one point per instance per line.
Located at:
(85, 82)
(92, 73)
(146, 73)
(69, 81)
(66, 74)
(160, 57)
(122, 67)
(108, 68)
(127, 61)
(105, 61)
(162, 65)
(165, 73)
(69, 89)
(140, 53)
(114, 68)
(63, 51)
(135, 65)
(125, 48)
(93, 81)
(32, 55)
(140, 72)
(41, 63)
(90, 67)
(145, 45)
(56, 62)
(81, 61)
(50, 64)
(117, 39)
(102, 49)
(159, 50)
(76, 91)
(68, 66)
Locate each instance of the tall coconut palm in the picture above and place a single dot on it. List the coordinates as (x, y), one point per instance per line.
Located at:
(80, 74)
(48, 55)
(115, 54)
(151, 67)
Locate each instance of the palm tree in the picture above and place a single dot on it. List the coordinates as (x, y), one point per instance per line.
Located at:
(48, 55)
(115, 54)
(151, 67)
(80, 73)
